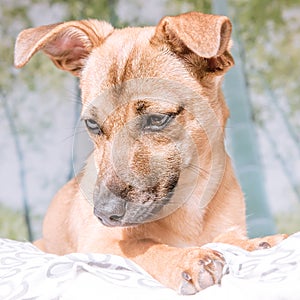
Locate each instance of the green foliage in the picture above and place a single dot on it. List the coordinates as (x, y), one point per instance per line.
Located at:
(288, 222)
(97, 9)
(203, 6)
(16, 17)
(12, 224)
(269, 31)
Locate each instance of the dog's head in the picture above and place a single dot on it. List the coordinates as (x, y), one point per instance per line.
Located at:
(152, 105)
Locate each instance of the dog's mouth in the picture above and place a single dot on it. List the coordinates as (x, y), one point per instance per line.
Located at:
(117, 212)
(117, 203)
(115, 223)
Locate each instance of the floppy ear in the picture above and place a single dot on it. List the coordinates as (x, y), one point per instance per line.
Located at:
(67, 44)
(193, 35)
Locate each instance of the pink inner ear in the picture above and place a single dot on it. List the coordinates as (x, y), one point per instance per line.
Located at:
(70, 43)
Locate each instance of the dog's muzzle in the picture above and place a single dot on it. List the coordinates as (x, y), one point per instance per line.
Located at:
(113, 210)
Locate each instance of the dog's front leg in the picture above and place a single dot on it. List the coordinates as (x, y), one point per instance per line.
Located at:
(186, 270)
(233, 237)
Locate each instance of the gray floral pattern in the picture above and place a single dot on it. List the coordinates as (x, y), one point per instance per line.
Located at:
(28, 273)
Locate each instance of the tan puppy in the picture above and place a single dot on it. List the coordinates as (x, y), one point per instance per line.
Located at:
(159, 183)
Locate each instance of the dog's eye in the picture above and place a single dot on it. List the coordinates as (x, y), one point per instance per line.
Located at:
(156, 122)
(93, 126)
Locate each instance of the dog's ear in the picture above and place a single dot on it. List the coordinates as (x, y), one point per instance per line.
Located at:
(195, 35)
(67, 44)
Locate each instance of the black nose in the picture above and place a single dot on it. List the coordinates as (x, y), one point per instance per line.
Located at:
(115, 218)
(108, 207)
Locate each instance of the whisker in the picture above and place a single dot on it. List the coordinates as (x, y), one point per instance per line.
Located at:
(198, 170)
(75, 101)
(73, 135)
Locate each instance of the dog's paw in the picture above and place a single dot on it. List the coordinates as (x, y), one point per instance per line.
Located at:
(203, 268)
(265, 242)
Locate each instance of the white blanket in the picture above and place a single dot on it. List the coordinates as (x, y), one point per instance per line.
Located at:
(28, 273)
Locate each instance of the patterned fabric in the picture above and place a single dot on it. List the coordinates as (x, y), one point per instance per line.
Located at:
(28, 273)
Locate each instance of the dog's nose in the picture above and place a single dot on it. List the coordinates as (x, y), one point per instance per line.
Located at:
(108, 220)
(109, 208)
(111, 215)
(115, 218)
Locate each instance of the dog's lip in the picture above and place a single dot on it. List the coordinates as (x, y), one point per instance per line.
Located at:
(115, 223)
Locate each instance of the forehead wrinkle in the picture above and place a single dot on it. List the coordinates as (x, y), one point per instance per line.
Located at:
(106, 63)
(130, 55)
(129, 58)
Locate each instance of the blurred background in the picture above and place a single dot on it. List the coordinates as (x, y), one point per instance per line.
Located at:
(40, 107)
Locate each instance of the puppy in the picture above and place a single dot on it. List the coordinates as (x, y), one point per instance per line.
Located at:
(159, 183)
